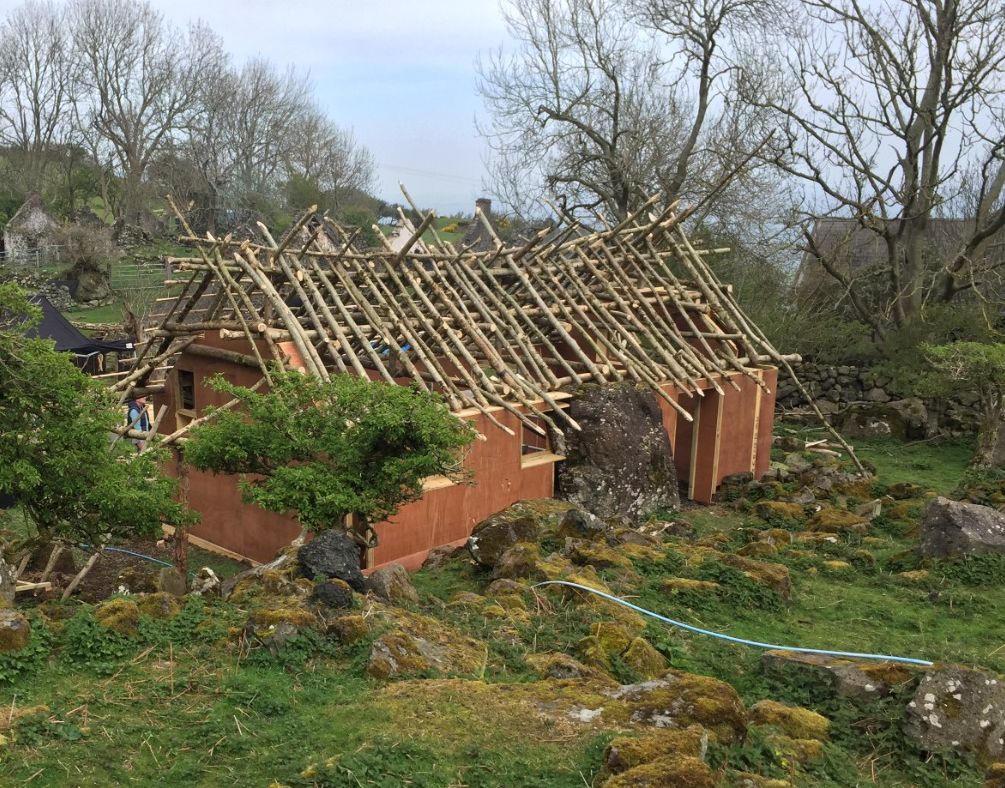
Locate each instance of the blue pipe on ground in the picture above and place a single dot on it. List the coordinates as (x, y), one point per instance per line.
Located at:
(730, 638)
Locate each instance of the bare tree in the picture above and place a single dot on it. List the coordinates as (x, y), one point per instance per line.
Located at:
(35, 86)
(244, 133)
(892, 116)
(604, 103)
(330, 157)
(143, 79)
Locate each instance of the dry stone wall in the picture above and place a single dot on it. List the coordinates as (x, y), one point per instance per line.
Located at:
(849, 392)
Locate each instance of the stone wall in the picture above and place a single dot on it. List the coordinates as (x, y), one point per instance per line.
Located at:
(854, 397)
(57, 291)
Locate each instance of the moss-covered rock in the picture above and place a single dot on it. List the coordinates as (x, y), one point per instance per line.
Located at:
(419, 644)
(592, 652)
(160, 605)
(644, 659)
(507, 587)
(905, 511)
(628, 752)
(776, 536)
(836, 521)
(901, 491)
(520, 560)
(468, 599)
(560, 666)
(10, 714)
(271, 586)
(681, 771)
(597, 555)
(801, 751)
(119, 615)
(349, 629)
(738, 779)
(15, 631)
(780, 512)
(494, 536)
(793, 721)
(767, 573)
(758, 549)
(915, 576)
(613, 637)
(994, 777)
(678, 700)
(675, 584)
(274, 626)
(836, 567)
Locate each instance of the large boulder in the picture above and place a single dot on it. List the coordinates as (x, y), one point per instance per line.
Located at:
(678, 700)
(959, 709)
(391, 584)
(951, 527)
(332, 554)
(496, 534)
(413, 643)
(620, 462)
(906, 419)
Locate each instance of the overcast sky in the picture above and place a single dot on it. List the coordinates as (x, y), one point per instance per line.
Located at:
(400, 73)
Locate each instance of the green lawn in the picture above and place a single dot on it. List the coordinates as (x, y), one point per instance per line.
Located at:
(185, 703)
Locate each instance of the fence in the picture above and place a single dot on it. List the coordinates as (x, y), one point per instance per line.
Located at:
(41, 257)
(138, 275)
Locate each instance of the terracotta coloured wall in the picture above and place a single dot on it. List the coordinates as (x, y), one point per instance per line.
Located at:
(730, 433)
(719, 443)
(441, 517)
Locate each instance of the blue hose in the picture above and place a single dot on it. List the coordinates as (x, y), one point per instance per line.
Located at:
(137, 555)
(730, 638)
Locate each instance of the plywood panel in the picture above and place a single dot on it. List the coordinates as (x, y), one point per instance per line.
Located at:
(766, 423)
(705, 447)
(737, 428)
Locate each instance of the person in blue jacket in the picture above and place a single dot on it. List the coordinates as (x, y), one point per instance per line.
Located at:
(138, 419)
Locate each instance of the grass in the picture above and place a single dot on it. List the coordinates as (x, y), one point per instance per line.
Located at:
(184, 704)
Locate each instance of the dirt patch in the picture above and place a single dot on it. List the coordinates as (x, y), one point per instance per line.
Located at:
(103, 579)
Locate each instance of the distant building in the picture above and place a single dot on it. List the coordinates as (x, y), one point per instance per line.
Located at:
(29, 230)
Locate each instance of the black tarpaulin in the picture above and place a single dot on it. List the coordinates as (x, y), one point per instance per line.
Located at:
(67, 337)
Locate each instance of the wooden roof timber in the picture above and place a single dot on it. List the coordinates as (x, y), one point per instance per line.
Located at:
(510, 328)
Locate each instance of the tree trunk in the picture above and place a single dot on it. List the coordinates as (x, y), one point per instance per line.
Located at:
(990, 451)
(181, 531)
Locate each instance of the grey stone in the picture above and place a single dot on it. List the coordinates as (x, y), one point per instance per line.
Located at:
(580, 524)
(804, 496)
(861, 425)
(332, 554)
(797, 463)
(621, 461)
(952, 527)
(171, 581)
(870, 510)
(496, 534)
(206, 583)
(959, 709)
(438, 556)
(391, 584)
(333, 595)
